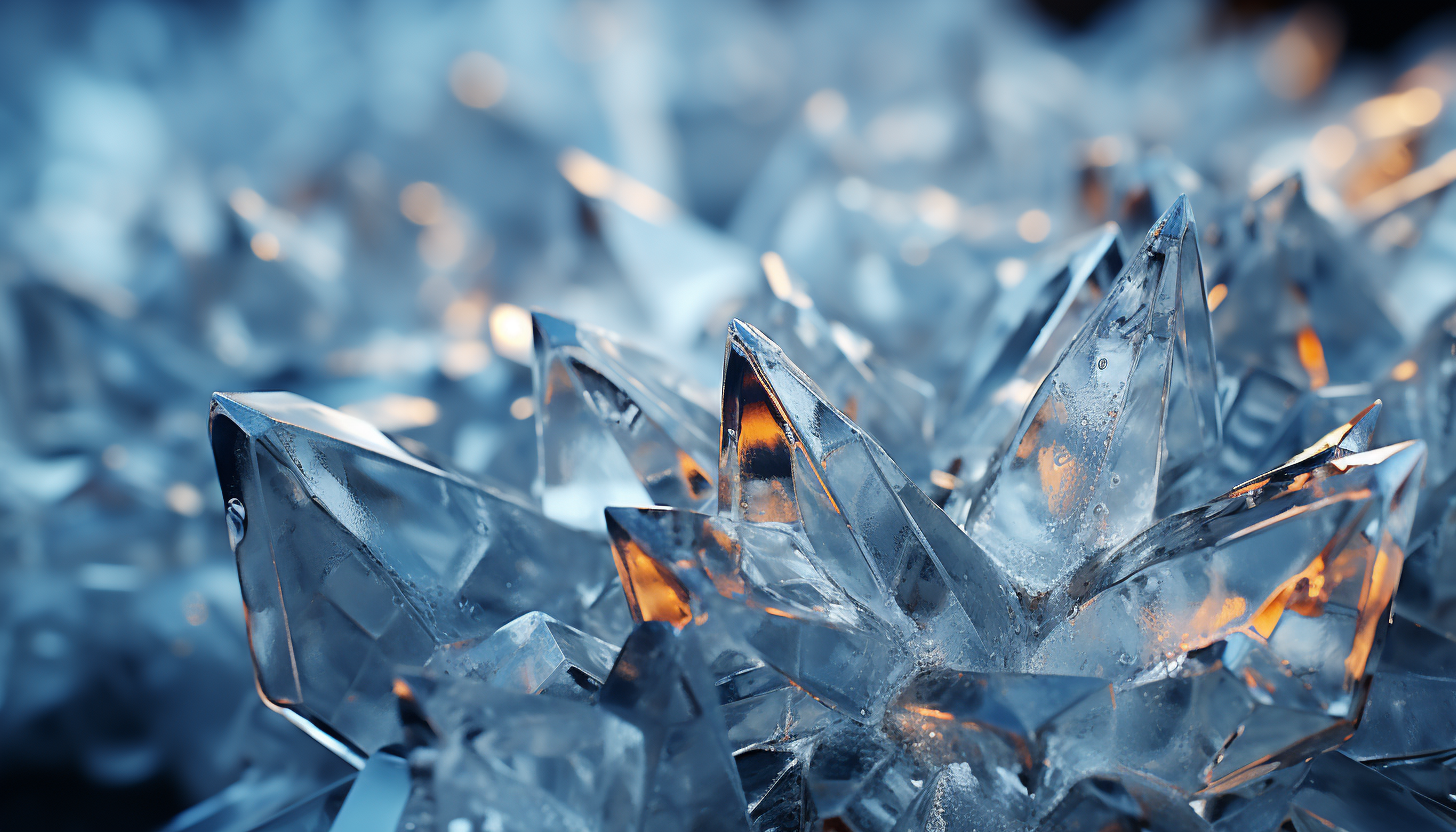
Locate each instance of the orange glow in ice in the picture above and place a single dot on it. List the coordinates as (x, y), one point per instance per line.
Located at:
(653, 593)
(1312, 356)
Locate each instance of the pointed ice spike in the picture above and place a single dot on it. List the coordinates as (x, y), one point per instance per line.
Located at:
(788, 457)
(1129, 405)
(661, 685)
(891, 404)
(1029, 327)
(1294, 301)
(516, 762)
(532, 654)
(615, 426)
(356, 557)
(1341, 794)
(757, 581)
(995, 721)
(1278, 593)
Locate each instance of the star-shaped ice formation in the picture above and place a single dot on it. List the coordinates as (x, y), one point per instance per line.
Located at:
(823, 642)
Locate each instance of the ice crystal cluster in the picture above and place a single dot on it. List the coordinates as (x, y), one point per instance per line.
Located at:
(939, 423)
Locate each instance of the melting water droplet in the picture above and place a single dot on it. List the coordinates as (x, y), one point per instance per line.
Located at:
(237, 522)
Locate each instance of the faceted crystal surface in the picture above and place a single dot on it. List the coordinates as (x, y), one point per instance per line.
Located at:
(356, 556)
(891, 404)
(511, 761)
(1020, 519)
(615, 426)
(1026, 333)
(1128, 406)
(532, 654)
(661, 685)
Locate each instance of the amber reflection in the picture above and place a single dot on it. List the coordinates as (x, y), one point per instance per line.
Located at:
(1312, 356)
(653, 593)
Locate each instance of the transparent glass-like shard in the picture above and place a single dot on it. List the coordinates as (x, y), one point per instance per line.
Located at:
(1252, 623)
(890, 403)
(1407, 713)
(1028, 328)
(1261, 428)
(762, 708)
(761, 584)
(661, 685)
(776, 788)
(1260, 803)
(615, 426)
(1103, 804)
(788, 458)
(1419, 397)
(1294, 301)
(955, 798)
(1128, 407)
(993, 720)
(1433, 777)
(377, 800)
(520, 763)
(1407, 225)
(356, 557)
(1343, 795)
(315, 813)
(1308, 542)
(861, 781)
(532, 654)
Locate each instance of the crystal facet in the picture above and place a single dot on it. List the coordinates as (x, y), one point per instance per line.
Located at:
(360, 556)
(1128, 406)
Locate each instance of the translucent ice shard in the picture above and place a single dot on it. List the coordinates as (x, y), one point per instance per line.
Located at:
(661, 685)
(761, 583)
(1128, 407)
(776, 789)
(532, 654)
(1341, 794)
(788, 458)
(1102, 804)
(315, 813)
(1252, 619)
(1294, 302)
(1406, 714)
(1419, 393)
(860, 780)
(615, 426)
(1433, 776)
(891, 404)
(1028, 329)
(762, 708)
(516, 763)
(955, 798)
(995, 721)
(355, 557)
(378, 797)
(1261, 428)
